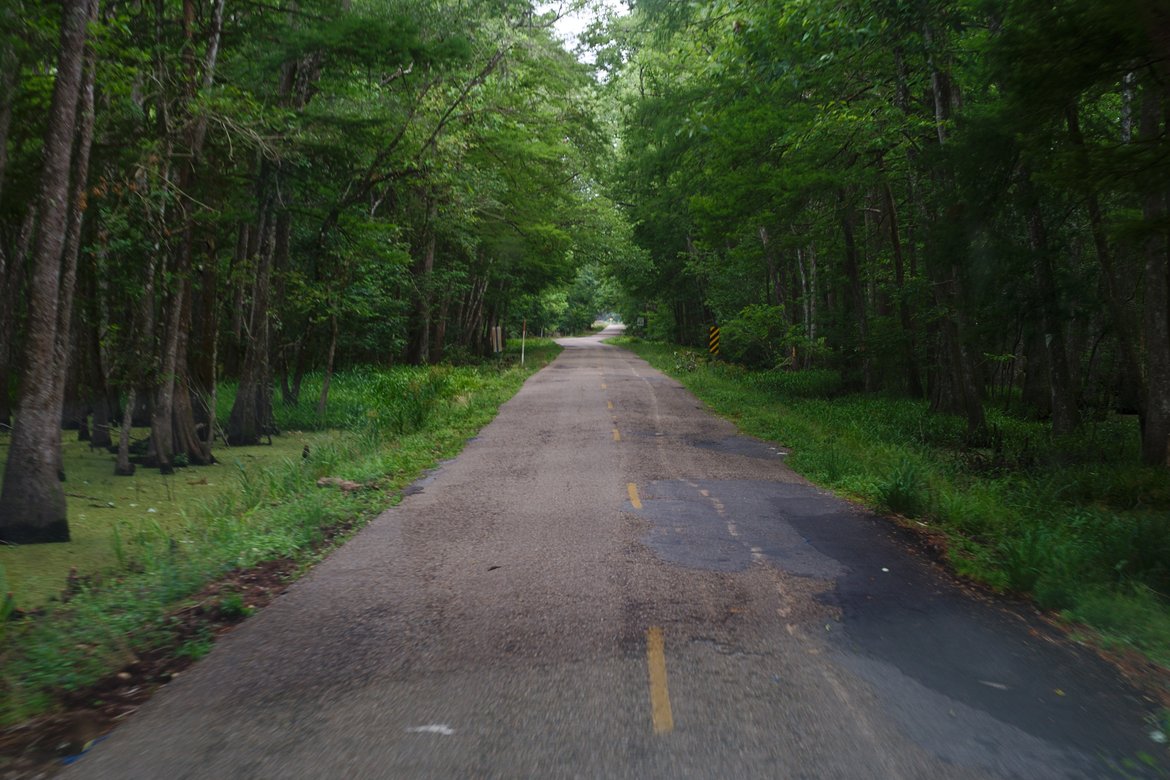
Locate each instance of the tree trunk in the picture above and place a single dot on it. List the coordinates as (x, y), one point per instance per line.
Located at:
(774, 289)
(439, 344)
(122, 466)
(100, 437)
(94, 293)
(1156, 435)
(300, 365)
(1065, 414)
(162, 439)
(15, 273)
(134, 374)
(175, 411)
(424, 273)
(323, 401)
(9, 69)
(187, 440)
(964, 390)
(806, 301)
(913, 379)
(32, 503)
(855, 311)
(252, 411)
(1132, 389)
(806, 261)
(204, 342)
(65, 343)
(1035, 393)
(234, 343)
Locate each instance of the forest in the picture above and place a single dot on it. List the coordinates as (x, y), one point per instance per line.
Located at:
(934, 235)
(957, 200)
(197, 192)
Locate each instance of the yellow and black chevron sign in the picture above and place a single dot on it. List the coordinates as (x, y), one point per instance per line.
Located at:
(713, 339)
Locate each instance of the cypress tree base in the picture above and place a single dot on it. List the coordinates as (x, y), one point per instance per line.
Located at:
(28, 533)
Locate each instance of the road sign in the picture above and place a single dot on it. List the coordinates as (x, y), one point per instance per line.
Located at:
(713, 339)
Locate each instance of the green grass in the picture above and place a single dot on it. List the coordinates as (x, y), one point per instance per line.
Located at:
(1076, 523)
(104, 509)
(258, 504)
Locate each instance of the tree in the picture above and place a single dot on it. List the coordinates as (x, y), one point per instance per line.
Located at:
(32, 504)
(276, 189)
(899, 179)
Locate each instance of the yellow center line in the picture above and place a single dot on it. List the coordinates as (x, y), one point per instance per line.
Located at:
(616, 436)
(609, 404)
(632, 489)
(603, 387)
(660, 714)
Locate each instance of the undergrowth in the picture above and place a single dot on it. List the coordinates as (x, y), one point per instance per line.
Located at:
(387, 427)
(1074, 522)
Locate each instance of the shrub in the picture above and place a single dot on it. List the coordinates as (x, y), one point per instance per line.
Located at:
(756, 337)
(903, 490)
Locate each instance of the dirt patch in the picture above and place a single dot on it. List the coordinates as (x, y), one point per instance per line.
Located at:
(40, 747)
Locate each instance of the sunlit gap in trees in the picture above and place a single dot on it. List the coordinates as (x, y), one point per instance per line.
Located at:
(573, 18)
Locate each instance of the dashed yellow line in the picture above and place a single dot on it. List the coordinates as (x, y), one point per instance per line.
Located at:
(609, 404)
(660, 715)
(603, 387)
(617, 436)
(632, 489)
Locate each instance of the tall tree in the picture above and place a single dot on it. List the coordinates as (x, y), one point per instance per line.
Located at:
(32, 504)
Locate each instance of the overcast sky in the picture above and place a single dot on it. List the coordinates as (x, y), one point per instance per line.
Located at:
(569, 26)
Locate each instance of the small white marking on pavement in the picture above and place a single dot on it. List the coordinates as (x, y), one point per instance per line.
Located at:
(432, 728)
(731, 529)
(997, 686)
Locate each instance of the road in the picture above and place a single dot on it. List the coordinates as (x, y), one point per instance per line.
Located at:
(609, 582)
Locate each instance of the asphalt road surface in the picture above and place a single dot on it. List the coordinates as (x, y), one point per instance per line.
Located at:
(609, 583)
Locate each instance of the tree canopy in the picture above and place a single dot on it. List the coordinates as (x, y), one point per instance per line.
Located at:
(948, 198)
(963, 200)
(247, 192)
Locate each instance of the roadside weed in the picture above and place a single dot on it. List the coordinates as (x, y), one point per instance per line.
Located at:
(903, 491)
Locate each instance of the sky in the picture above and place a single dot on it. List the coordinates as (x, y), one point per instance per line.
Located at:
(570, 25)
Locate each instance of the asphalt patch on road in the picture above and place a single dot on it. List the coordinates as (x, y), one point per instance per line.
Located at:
(975, 681)
(743, 446)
